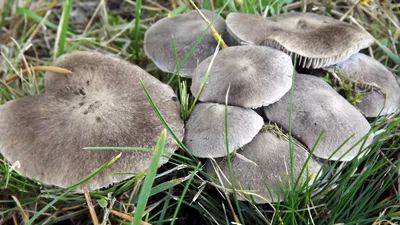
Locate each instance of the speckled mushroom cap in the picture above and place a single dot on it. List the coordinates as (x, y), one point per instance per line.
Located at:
(316, 40)
(257, 76)
(186, 29)
(379, 88)
(205, 129)
(101, 103)
(317, 107)
(263, 167)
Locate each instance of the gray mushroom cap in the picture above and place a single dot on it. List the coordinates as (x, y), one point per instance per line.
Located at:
(316, 40)
(262, 167)
(186, 29)
(317, 107)
(379, 87)
(257, 76)
(205, 129)
(101, 103)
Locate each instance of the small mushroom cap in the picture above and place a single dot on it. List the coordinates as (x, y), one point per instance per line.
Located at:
(317, 107)
(205, 129)
(186, 29)
(262, 167)
(101, 103)
(365, 71)
(257, 76)
(316, 40)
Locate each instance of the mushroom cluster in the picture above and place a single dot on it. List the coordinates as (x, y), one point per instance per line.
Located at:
(258, 74)
(100, 103)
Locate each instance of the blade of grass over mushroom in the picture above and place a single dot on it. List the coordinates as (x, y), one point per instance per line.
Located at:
(31, 15)
(182, 97)
(214, 32)
(204, 80)
(68, 190)
(149, 180)
(62, 29)
(197, 42)
(166, 125)
(174, 217)
(138, 10)
(228, 157)
(291, 144)
(178, 10)
(165, 154)
(54, 69)
(321, 135)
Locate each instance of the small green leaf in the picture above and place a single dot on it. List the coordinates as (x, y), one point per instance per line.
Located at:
(102, 202)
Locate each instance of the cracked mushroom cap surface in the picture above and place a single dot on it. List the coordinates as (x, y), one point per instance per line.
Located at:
(186, 29)
(380, 90)
(205, 129)
(264, 165)
(317, 107)
(316, 40)
(257, 76)
(101, 103)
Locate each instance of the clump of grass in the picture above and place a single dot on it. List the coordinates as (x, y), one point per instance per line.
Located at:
(363, 191)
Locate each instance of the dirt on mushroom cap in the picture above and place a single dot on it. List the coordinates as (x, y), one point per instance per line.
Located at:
(378, 86)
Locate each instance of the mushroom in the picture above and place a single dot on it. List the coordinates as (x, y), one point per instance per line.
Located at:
(101, 103)
(317, 41)
(317, 107)
(262, 168)
(205, 129)
(257, 76)
(378, 86)
(186, 29)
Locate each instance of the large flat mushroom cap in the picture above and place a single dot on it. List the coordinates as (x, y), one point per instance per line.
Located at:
(205, 129)
(317, 107)
(316, 40)
(257, 76)
(264, 164)
(365, 71)
(186, 29)
(101, 103)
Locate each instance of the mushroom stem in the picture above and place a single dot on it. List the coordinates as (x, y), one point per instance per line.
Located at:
(214, 32)
(53, 69)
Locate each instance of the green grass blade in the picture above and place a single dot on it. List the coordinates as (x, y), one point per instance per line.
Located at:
(193, 48)
(228, 157)
(204, 80)
(391, 55)
(6, 10)
(94, 173)
(164, 122)
(291, 143)
(33, 16)
(138, 10)
(184, 193)
(149, 180)
(63, 28)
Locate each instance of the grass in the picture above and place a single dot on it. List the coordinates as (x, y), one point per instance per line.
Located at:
(363, 191)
